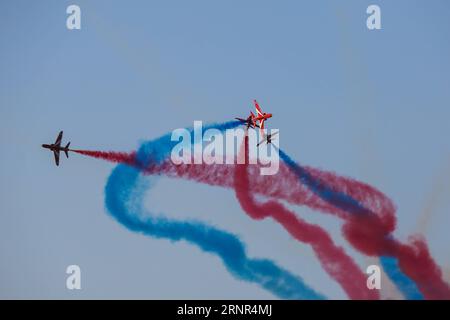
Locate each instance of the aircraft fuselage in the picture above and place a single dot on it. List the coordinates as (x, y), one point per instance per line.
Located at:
(53, 147)
(264, 116)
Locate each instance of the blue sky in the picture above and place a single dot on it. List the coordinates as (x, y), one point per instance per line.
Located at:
(372, 105)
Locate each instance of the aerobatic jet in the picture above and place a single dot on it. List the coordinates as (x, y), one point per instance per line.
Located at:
(261, 116)
(56, 148)
(252, 120)
(267, 139)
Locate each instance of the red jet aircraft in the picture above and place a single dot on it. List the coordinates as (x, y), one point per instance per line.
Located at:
(252, 120)
(261, 117)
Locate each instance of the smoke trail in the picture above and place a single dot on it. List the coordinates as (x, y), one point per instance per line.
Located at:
(158, 150)
(332, 258)
(338, 198)
(282, 186)
(117, 157)
(370, 234)
(439, 191)
(124, 200)
(406, 286)
(369, 215)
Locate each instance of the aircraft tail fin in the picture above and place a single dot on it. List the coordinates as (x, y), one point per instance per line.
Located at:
(66, 150)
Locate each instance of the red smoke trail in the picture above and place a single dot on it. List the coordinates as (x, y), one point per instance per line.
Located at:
(333, 259)
(368, 233)
(117, 157)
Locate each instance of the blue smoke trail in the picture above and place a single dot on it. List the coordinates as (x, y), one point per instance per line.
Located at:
(338, 199)
(158, 150)
(406, 286)
(124, 193)
(390, 264)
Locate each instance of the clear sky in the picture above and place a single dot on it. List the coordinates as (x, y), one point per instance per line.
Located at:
(373, 105)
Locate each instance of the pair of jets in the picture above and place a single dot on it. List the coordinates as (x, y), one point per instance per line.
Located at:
(252, 122)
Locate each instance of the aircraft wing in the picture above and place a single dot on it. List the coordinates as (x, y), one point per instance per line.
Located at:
(273, 135)
(58, 140)
(262, 141)
(266, 138)
(56, 154)
(258, 109)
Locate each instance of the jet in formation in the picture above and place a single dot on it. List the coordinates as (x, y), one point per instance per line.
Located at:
(57, 148)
